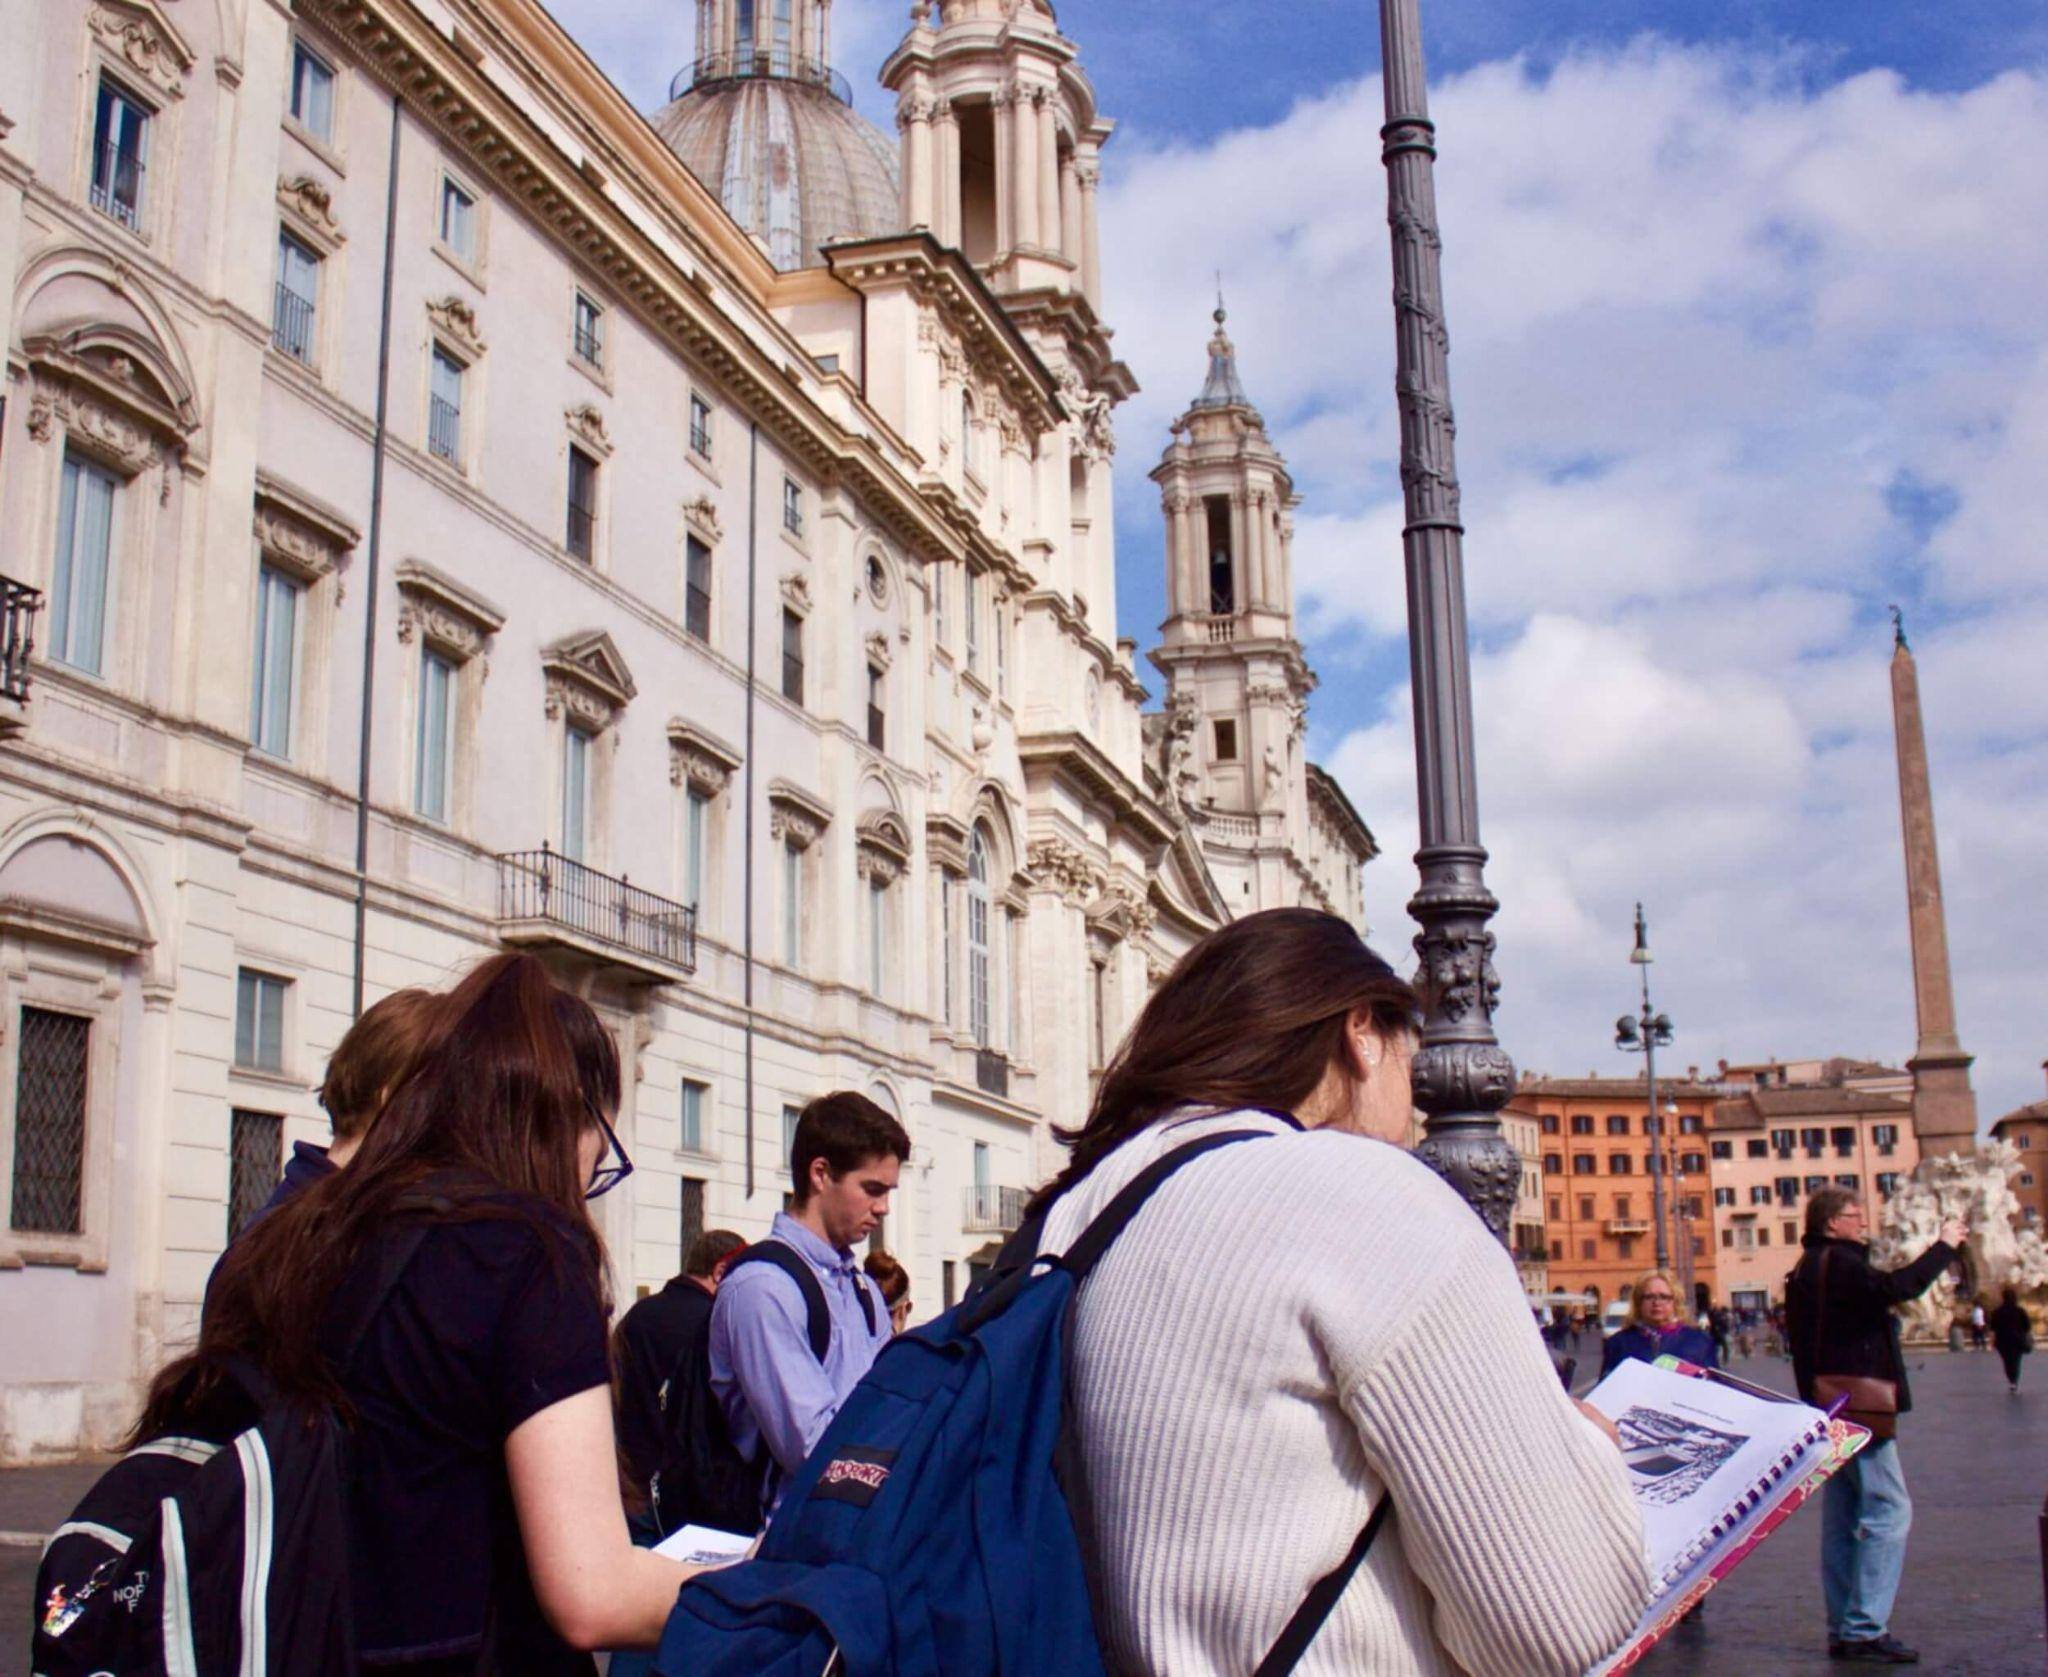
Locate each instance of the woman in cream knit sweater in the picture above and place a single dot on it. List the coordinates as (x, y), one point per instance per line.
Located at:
(1295, 1325)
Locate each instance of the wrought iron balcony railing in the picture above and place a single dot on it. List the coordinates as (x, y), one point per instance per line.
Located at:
(291, 324)
(540, 889)
(991, 1210)
(117, 185)
(444, 429)
(762, 60)
(19, 604)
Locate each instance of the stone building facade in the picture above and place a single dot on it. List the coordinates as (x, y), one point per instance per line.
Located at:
(2026, 1128)
(450, 524)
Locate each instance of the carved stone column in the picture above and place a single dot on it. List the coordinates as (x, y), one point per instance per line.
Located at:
(1024, 176)
(1089, 173)
(1462, 1076)
(1070, 210)
(1043, 107)
(914, 119)
(946, 128)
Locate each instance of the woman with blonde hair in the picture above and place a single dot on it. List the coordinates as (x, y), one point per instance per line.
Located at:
(1654, 1328)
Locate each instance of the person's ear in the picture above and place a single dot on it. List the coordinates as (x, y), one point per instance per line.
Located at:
(821, 1177)
(1363, 1043)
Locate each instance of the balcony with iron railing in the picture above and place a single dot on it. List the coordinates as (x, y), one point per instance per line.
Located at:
(19, 604)
(117, 185)
(444, 430)
(991, 1210)
(291, 324)
(775, 61)
(547, 899)
(1627, 1225)
(589, 343)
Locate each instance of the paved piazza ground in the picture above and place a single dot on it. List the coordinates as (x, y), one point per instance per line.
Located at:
(1976, 1459)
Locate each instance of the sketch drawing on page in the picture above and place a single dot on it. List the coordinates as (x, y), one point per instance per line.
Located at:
(1669, 1456)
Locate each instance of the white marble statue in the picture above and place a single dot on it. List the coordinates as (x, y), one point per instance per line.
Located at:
(1977, 1188)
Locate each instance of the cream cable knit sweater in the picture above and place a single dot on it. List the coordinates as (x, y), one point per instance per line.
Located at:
(1289, 1326)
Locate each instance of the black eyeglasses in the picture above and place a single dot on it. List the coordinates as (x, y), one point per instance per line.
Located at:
(613, 1167)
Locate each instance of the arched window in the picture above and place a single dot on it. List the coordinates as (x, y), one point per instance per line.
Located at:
(978, 962)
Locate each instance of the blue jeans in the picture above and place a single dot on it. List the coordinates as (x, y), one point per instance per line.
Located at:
(1866, 1514)
(632, 1662)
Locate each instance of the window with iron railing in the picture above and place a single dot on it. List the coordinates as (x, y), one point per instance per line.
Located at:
(52, 1053)
(444, 408)
(19, 604)
(589, 331)
(120, 140)
(297, 293)
(581, 535)
(792, 656)
(700, 427)
(792, 506)
(255, 1157)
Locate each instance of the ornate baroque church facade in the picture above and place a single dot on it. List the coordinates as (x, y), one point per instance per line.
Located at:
(443, 508)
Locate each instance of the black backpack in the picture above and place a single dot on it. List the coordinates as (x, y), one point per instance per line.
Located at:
(192, 1556)
(703, 1478)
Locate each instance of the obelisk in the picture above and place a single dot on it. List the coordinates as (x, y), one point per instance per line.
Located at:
(1944, 1104)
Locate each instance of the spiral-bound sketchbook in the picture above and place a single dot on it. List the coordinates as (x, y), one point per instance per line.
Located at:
(1715, 1464)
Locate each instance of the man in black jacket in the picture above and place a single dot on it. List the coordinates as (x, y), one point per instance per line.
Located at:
(1839, 1317)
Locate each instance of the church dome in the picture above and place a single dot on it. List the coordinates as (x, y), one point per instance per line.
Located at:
(788, 156)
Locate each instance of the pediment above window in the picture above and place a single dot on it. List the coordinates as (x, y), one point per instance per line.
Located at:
(795, 816)
(139, 34)
(308, 208)
(456, 321)
(301, 531)
(449, 617)
(587, 679)
(587, 426)
(701, 515)
(699, 759)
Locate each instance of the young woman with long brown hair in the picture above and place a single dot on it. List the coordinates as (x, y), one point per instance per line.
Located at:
(487, 1529)
(1300, 1323)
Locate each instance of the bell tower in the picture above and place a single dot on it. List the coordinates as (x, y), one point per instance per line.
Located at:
(790, 38)
(1002, 142)
(1236, 678)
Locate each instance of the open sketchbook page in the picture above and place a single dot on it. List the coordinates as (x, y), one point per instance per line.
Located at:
(1697, 1452)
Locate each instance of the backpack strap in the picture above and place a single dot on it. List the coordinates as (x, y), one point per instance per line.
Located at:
(817, 1313)
(1096, 1239)
(1321, 1600)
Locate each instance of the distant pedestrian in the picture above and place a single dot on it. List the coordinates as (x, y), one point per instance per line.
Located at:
(1721, 1324)
(1978, 1326)
(1653, 1329)
(894, 1280)
(2013, 1333)
(1845, 1343)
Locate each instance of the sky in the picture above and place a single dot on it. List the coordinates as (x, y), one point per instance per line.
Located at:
(1749, 342)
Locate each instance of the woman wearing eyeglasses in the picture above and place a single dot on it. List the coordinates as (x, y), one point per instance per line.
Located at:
(1654, 1330)
(487, 1532)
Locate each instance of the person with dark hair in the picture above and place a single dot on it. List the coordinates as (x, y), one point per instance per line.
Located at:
(486, 1531)
(367, 1065)
(796, 1323)
(894, 1280)
(1840, 1317)
(2012, 1331)
(1304, 1325)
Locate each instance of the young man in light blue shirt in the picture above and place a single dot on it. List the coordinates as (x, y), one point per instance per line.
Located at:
(777, 1394)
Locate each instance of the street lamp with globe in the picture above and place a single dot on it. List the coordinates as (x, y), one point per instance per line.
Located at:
(1644, 1033)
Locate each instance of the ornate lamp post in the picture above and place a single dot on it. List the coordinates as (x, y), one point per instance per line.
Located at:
(1644, 1035)
(1462, 1076)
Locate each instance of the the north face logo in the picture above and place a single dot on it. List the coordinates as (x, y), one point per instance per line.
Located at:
(855, 1474)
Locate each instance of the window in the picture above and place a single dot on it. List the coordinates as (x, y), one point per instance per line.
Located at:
(978, 963)
(292, 305)
(1617, 1125)
(53, 1052)
(878, 716)
(1721, 1149)
(581, 536)
(1555, 1207)
(792, 904)
(1756, 1148)
(946, 946)
(1226, 741)
(1621, 1206)
(1583, 1164)
(1628, 1247)
(1587, 1249)
(941, 586)
(1815, 1183)
(1782, 1140)
(1222, 591)
(259, 1021)
(1553, 1163)
(1763, 1237)
(792, 506)
(588, 332)
(1850, 1182)
(1843, 1138)
(1620, 1164)
(1098, 1014)
(1888, 1183)
(1002, 622)
(949, 1286)
(576, 745)
(1585, 1208)
(1885, 1138)
(1693, 1206)
(974, 621)
(878, 927)
(1788, 1189)
(120, 153)
(967, 431)
(1727, 1237)
(791, 1117)
(458, 219)
(431, 753)
(1689, 1124)
(1760, 1193)
(691, 1135)
(690, 1221)
(696, 833)
(78, 576)
(1692, 1163)
(1791, 1233)
(792, 657)
(697, 588)
(1550, 1124)
(1582, 1124)
(312, 92)
(1724, 1196)
(255, 1157)
(1699, 1247)
(1813, 1140)
(700, 427)
(278, 599)
(444, 408)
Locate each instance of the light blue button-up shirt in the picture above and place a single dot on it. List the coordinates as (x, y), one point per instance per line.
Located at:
(772, 1389)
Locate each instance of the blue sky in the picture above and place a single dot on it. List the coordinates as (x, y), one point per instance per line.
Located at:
(1745, 305)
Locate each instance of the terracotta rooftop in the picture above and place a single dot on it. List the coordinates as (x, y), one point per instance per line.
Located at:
(1758, 1108)
(2035, 1114)
(1614, 1088)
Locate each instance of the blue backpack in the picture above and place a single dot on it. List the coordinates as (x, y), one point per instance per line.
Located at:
(928, 1534)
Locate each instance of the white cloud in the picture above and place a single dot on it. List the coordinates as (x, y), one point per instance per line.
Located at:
(1736, 363)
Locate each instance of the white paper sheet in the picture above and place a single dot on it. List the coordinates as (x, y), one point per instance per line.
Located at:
(704, 1546)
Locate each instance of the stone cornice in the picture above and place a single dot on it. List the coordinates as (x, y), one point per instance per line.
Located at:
(449, 615)
(699, 758)
(303, 531)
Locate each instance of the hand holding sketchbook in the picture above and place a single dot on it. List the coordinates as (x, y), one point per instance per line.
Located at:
(1715, 1465)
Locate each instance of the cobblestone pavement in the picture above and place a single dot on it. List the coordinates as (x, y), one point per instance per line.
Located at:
(1976, 1461)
